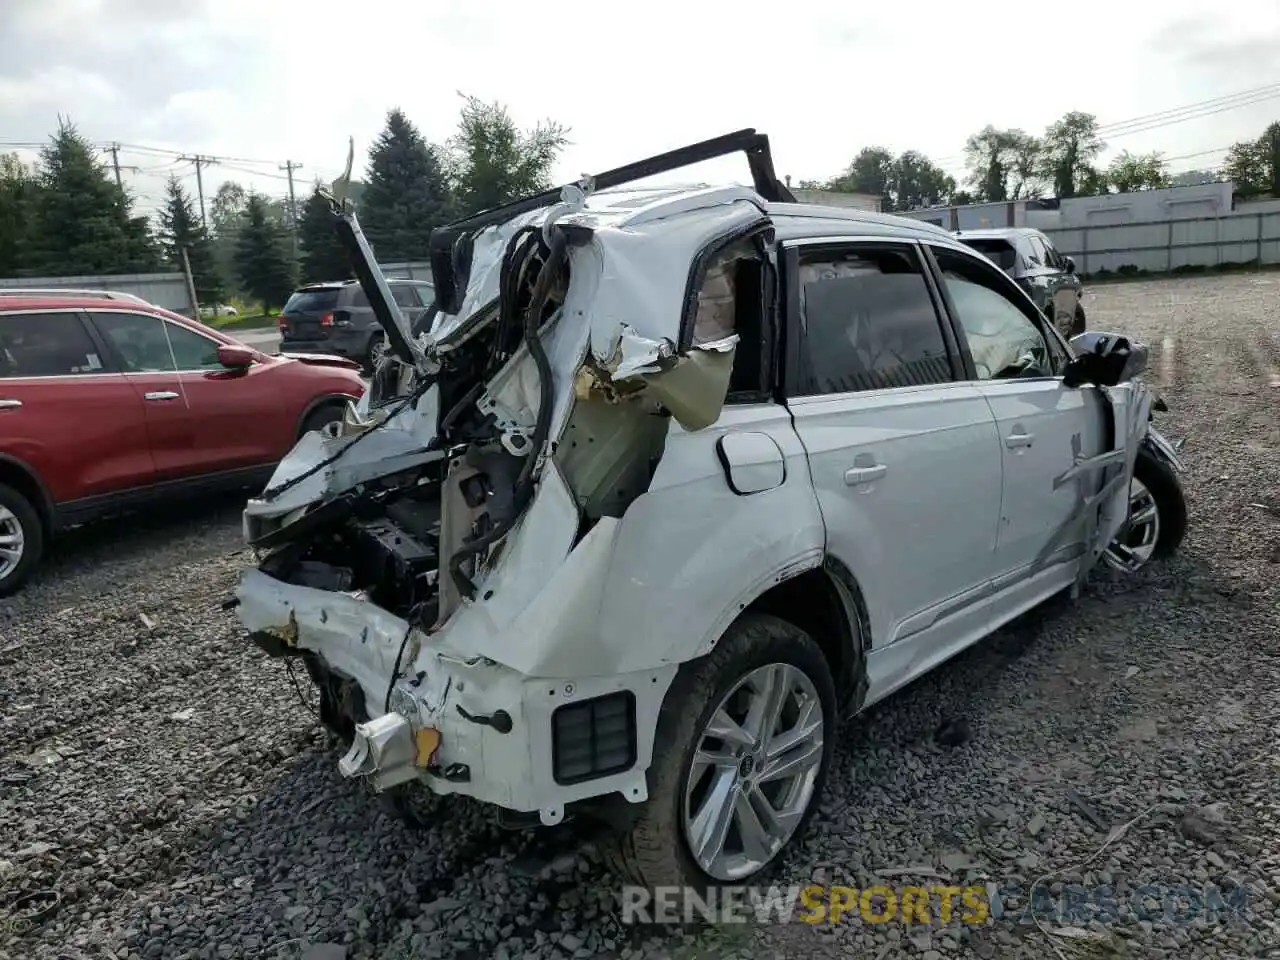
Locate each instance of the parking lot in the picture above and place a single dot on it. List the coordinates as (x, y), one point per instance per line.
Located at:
(165, 793)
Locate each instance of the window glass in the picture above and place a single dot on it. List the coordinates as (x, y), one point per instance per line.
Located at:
(1000, 252)
(1038, 257)
(867, 323)
(1052, 257)
(403, 295)
(1004, 341)
(311, 301)
(192, 351)
(426, 293)
(716, 316)
(46, 345)
(149, 344)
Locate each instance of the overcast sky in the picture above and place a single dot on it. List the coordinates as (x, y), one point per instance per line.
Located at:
(276, 80)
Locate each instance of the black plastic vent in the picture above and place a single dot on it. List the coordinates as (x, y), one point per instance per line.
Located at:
(593, 738)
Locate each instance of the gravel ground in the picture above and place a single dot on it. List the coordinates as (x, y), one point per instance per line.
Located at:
(164, 792)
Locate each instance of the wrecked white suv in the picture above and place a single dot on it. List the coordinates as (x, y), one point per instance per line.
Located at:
(673, 481)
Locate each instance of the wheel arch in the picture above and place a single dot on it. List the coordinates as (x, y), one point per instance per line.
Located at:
(826, 602)
(317, 403)
(19, 475)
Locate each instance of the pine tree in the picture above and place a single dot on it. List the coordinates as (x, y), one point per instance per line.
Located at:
(323, 257)
(494, 162)
(180, 227)
(18, 193)
(263, 263)
(406, 193)
(85, 221)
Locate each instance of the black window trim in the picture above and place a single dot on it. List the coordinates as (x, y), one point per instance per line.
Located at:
(1013, 292)
(118, 360)
(110, 362)
(789, 301)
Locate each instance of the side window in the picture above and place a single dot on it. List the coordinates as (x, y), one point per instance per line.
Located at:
(192, 351)
(867, 322)
(1037, 256)
(46, 345)
(1003, 338)
(402, 294)
(426, 293)
(730, 300)
(1052, 257)
(138, 338)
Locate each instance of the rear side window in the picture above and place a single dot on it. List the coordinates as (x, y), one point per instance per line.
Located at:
(867, 322)
(426, 293)
(1038, 256)
(311, 301)
(46, 345)
(403, 295)
(999, 252)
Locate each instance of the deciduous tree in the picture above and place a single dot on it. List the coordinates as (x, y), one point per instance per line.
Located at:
(493, 162)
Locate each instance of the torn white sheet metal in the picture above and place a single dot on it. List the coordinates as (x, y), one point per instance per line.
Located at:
(1102, 481)
(396, 445)
(645, 243)
(635, 355)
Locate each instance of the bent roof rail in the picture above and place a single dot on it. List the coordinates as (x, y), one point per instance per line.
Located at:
(450, 250)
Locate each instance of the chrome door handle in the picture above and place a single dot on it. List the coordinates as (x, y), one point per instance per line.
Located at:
(161, 395)
(1015, 440)
(858, 475)
(7, 404)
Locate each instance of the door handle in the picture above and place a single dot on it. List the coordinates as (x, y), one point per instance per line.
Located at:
(161, 395)
(857, 475)
(1015, 440)
(8, 404)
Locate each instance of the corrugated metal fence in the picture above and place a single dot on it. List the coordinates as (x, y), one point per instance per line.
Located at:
(1165, 245)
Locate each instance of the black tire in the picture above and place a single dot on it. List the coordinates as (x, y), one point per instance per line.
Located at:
(652, 851)
(1171, 503)
(377, 346)
(1078, 325)
(321, 417)
(28, 521)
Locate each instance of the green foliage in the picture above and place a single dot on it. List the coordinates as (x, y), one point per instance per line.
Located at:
(18, 227)
(180, 228)
(323, 257)
(1069, 148)
(493, 162)
(264, 263)
(1137, 171)
(1004, 164)
(406, 193)
(1254, 165)
(905, 182)
(77, 220)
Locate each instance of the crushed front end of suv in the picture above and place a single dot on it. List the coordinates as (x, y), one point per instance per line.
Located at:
(677, 479)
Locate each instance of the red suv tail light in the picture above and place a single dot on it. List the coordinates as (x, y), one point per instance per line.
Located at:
(282, 322)
(326, 320)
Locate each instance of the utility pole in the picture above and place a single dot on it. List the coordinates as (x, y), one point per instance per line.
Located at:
(191, 286)
(115, 162)
(200, 163)
(289, 166)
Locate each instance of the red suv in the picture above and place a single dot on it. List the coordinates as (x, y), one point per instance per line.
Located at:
(107, 403)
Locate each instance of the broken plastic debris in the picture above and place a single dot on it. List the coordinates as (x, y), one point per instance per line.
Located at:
(183, 715)
(147, 621)
(637, 355)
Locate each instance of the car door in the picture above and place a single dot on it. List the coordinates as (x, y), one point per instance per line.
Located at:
(906, 462)
(201, 417)
(1044, 426)
(239, 416)
(65, 411)
(1067, 291)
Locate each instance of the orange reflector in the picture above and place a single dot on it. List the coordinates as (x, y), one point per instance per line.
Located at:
(428, 742)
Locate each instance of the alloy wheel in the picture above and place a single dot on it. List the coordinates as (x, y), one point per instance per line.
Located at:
(12, 542)
(1136, 545)
(753, 772)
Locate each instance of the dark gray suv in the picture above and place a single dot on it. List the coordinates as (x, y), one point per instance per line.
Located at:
(336, 318)
(1030, 258)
